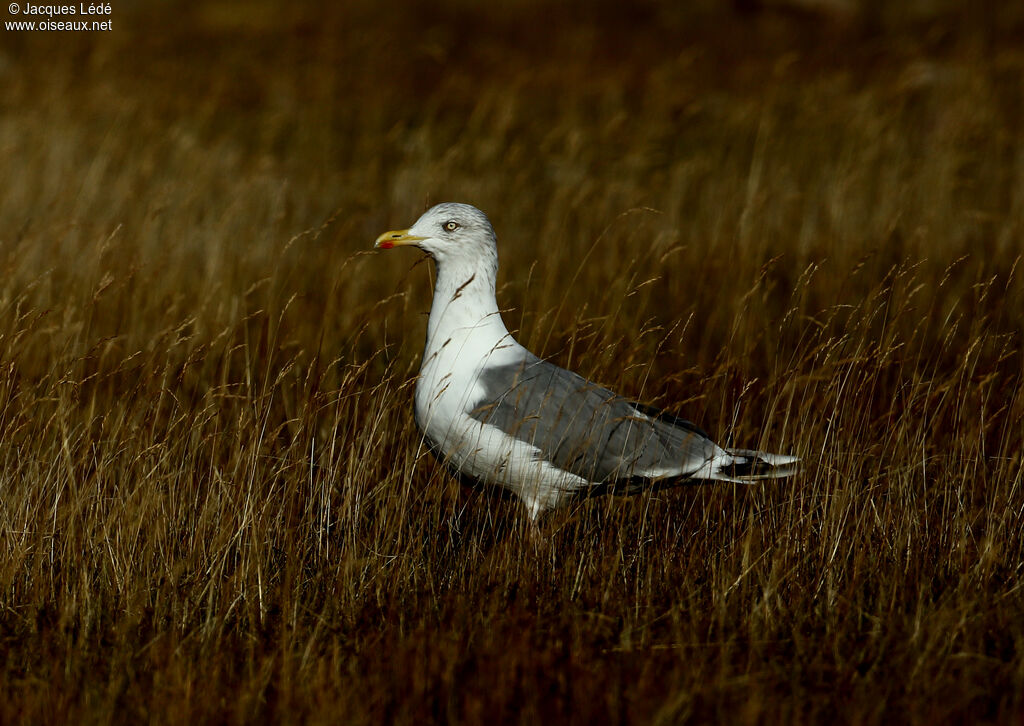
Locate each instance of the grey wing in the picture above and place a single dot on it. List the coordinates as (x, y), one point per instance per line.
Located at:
(586, 429)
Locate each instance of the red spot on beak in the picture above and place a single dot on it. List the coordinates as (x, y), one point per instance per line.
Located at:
(386, 245)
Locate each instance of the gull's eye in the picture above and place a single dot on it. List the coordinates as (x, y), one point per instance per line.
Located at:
(450, 226)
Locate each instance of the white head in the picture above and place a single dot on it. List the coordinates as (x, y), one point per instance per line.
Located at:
(449, 232)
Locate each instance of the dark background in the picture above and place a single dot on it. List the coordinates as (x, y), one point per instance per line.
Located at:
(797, 224)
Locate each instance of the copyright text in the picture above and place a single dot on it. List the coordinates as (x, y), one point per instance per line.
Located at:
(81, 17)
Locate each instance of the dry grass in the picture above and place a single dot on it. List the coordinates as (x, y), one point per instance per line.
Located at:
(802, 234)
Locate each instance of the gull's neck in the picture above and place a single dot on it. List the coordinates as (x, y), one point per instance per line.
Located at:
(464, 317)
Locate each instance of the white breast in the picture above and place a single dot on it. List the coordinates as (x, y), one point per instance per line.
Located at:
(449, 388)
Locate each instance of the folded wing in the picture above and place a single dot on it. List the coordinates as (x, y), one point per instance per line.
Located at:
(588, 430)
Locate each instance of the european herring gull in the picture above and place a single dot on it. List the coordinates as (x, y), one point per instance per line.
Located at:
(499, 414)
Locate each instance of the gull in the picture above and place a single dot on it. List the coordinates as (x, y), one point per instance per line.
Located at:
(499, 414)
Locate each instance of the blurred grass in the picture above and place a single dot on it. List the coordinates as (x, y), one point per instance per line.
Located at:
(799, 228)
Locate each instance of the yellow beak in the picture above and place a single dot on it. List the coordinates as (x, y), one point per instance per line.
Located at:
(396, 238)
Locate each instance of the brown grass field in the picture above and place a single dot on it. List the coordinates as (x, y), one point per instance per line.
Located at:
(801, 229)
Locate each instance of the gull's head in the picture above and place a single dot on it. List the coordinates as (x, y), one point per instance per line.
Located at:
(447, 231)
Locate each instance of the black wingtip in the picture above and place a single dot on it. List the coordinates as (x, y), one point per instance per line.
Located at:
(749, 464)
